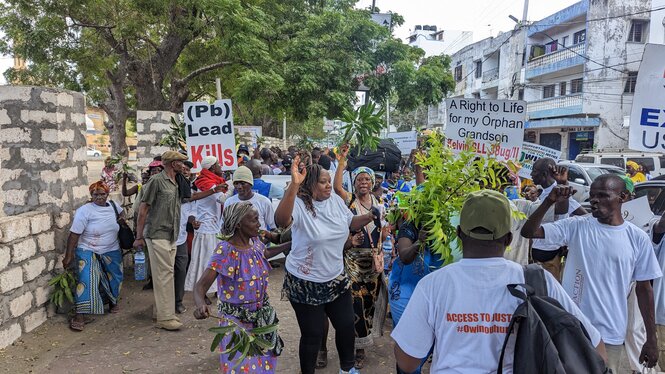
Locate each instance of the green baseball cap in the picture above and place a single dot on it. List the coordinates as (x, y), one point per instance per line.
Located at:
(486, 209)
(630, 185)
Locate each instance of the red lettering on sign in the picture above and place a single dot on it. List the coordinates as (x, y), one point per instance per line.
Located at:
(228, 158)
(196, 154)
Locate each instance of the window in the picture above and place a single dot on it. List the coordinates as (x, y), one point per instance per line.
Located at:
(631, 80)
(615, 161)
(575, 173)
(576, 85)
(662, 161)
(636, 33)
(585, 159)
(476, 95)
(579, 37)
(551, 46)
(548, 91)
(564, 41)
(562, 89)
(458, 73)
(520, 96)
(479, 69)
(647, 162)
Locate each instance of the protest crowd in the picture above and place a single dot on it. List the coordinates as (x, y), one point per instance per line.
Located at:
(535, 284)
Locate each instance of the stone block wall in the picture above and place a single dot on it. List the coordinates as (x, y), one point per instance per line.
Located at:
(43, 179)
(151, 127)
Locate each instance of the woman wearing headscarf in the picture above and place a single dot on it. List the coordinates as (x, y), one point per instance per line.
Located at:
(634, 172)
(239, 266)
(110, 174)
(315, 282)
(359, 254)
(93, 243)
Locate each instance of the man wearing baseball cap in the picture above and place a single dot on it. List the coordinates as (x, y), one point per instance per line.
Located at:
(464, 309)
(158, 228)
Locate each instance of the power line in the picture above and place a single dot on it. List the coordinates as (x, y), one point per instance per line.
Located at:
(581, 55)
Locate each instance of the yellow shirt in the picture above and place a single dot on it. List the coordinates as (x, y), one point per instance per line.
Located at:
(638, 177)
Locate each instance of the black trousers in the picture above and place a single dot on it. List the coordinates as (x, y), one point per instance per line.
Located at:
(180, 271)
(311, 319)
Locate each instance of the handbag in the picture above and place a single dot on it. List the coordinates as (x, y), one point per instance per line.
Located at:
(125, 234)
(377, 260)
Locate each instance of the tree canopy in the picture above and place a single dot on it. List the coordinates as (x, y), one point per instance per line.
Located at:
(301, 58)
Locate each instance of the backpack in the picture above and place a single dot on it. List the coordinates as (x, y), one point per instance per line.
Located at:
(548, 338)
(387, 157)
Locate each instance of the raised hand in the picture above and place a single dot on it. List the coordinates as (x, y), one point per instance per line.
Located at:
(560, 193)
(561, 174)
(343, 152)
(296, 176)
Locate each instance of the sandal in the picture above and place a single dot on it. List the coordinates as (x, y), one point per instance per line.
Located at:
(322, 359)
(115, 308)
(76, 325)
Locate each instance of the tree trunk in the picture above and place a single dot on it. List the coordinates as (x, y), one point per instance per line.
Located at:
(118, 111)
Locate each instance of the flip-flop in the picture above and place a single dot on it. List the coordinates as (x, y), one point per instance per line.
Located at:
(322, 359)
(76, 325)
(114, 309)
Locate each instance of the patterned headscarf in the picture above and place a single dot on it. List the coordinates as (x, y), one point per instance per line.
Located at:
(362, 169)
(232, 216)
(99, 185)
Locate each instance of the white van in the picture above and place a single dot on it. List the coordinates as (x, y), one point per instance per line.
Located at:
(654, 162)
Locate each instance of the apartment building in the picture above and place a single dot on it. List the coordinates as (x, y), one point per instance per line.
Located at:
(579, 74)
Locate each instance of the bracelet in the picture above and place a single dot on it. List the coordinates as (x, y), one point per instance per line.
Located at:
(139, 239)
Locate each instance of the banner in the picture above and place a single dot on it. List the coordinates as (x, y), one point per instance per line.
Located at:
(250, 132)
(209, 132)
(496, 127)
(406, 141)
(647, 119)
(637, 212)
(531, 153)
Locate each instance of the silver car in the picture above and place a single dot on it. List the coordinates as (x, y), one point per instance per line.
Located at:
(581, 175)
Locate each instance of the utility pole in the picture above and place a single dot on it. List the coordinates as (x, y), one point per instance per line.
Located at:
(218, 85)
(284, 131)
(525, 57)
(373, 6)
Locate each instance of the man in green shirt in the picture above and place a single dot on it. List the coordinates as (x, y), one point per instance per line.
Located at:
(157, 228)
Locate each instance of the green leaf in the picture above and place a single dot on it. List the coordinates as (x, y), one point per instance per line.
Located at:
(222, 329)
(264, 344)
(264, 329)
(215, 342)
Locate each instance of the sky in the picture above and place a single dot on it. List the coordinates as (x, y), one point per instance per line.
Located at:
(484, 17)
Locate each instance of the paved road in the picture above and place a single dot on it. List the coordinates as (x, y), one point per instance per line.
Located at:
(127, 342)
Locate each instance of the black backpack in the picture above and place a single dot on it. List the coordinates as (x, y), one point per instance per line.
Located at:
(387, 157)
(548, 339)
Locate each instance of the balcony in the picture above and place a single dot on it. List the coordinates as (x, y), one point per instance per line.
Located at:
(555, 61)
(556, 106)
(491, 77)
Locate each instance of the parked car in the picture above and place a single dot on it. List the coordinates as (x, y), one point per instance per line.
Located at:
(654, 162)
(581, 175)
(655, 191)
(91, 152)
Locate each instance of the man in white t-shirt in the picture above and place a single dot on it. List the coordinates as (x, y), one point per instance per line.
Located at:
(546, 174)
(243, 182)
(605, 254)
(464, 309)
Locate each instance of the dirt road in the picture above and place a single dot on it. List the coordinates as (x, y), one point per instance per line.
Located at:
(127, 342)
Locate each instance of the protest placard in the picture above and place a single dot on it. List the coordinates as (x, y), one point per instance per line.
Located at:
(252, 133)
(531, 153)
(209, 132)
(406, 141)
(647, 120)
(637, 212)
(496, 127)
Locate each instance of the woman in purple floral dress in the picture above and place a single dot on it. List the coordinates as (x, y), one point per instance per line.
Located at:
(240, 267)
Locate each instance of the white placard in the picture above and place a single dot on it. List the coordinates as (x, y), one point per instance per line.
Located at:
(496, 127)
(328, 125)
(637, 212)
(209, 132)
(254, 132)
(647, 119)
(531, 153)
(406, 141)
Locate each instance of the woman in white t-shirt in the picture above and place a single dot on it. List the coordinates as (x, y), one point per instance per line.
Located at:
(315, 282)
(93, 243)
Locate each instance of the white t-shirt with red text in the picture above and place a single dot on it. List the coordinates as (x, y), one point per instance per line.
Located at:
(464, 309)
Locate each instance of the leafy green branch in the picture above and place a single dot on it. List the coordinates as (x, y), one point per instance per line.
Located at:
(363, 126)
(247, 342)
(175, 137)
(62, 284)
